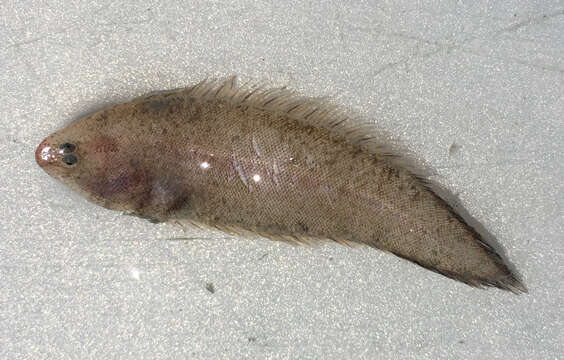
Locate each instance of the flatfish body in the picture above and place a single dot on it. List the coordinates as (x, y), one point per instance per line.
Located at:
(246, 159)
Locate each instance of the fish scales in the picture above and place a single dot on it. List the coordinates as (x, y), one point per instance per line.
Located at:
(245, 159)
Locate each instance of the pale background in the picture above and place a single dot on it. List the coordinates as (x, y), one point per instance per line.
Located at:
(78, 281)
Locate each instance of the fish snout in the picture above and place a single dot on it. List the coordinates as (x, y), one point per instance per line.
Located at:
(45, 154)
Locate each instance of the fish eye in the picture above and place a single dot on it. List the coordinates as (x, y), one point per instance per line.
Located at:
(67, 148)
(69, 159)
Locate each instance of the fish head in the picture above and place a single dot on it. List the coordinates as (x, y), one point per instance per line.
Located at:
(97, 159)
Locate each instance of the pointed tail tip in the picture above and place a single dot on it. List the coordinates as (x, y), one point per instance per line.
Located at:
(510, 283)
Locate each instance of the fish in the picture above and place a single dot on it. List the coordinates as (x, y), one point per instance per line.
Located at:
(268, 161)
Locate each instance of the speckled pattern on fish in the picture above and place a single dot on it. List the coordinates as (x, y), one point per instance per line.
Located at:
(248, 159)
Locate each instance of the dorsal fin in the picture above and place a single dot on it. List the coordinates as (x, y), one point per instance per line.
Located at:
(317, 112)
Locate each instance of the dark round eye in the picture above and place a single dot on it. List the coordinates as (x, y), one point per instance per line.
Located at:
(67, 148)
(69, 159)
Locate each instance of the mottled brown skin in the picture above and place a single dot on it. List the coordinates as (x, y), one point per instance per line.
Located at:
(240, 165)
